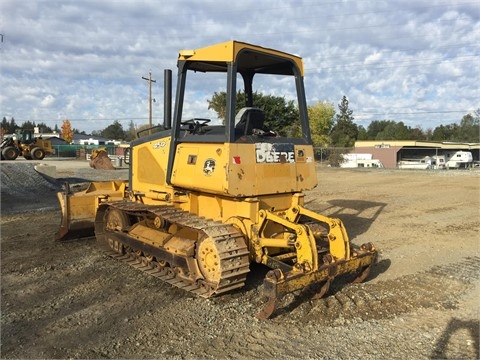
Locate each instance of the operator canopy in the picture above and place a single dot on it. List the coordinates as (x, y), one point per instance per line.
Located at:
(248, 57)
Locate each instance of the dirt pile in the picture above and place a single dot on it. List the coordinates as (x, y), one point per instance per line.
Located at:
(23, 188)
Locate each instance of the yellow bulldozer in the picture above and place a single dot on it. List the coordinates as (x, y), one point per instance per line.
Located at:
(204, 201)
(24, 143)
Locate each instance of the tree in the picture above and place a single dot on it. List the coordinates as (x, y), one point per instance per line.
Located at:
(469, 130)
(114, 131)
(391, 130)
(131, 133)
(44, 128)
(362, 133)
(345, 131)
(376, 127)
(8, 127)
(67, 132)
(12, 127)
(445, 132)
(218, 103)
(4, 127)
(417, 133)
(321, 116)
(28, 125)
(280, 115)
(428, 134)
(394, 131)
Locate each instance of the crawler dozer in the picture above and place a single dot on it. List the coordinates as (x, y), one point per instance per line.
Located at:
(204, 201)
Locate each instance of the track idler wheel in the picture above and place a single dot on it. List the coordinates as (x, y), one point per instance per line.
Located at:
(116, 220)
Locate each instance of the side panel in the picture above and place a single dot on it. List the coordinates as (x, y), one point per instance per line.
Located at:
(200, 167)
(148, 168)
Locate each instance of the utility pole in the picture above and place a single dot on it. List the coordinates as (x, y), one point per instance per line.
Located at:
(149, 79)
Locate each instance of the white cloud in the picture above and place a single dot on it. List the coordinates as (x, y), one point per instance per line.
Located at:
(450, 69)
(373, 58)
(84, 60)
(47, 101)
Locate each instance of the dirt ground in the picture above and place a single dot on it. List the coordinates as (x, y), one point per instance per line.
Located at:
(68, 300)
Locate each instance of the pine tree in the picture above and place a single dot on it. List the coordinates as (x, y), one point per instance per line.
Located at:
(345, 131)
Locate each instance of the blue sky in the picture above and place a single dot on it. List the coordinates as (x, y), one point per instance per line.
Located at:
(411, 61)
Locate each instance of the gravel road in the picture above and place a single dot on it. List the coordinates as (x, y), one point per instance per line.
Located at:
(68, 300)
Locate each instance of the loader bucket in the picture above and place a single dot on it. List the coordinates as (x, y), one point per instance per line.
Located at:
(79, 209)
(99, 160)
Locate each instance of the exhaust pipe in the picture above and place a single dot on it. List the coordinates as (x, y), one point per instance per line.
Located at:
(167, 99)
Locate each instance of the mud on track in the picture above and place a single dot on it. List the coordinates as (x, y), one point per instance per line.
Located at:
(68, 300)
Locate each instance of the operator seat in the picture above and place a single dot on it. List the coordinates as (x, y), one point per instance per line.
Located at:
(247, 119)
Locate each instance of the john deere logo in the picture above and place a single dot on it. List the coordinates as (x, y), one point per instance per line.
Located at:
(209, 167)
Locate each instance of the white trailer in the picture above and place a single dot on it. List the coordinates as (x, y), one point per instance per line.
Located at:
(458, 159)
(360, 161)
(421, 164)
(444, 160)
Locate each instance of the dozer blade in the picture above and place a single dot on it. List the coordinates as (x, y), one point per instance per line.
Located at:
(78, 209)
(277, 284)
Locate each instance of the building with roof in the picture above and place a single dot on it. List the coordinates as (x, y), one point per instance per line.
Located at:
(391, 152)
(81, 139)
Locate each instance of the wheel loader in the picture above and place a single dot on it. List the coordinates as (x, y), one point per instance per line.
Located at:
(205, 199)
(26, 144)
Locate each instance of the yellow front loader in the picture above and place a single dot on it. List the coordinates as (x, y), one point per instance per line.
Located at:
(207, 198)
(24, 143)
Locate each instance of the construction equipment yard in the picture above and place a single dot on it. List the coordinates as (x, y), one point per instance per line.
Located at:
(68, 300)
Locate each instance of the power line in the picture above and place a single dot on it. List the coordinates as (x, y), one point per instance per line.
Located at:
(392, 64)
(360, 113)
(95, 119)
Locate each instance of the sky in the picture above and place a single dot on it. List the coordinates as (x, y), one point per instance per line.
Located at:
(416, 61)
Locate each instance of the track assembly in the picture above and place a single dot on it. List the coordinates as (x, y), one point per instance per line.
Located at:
(216, 263)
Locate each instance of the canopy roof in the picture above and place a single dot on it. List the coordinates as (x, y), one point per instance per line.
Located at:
(248, 57)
